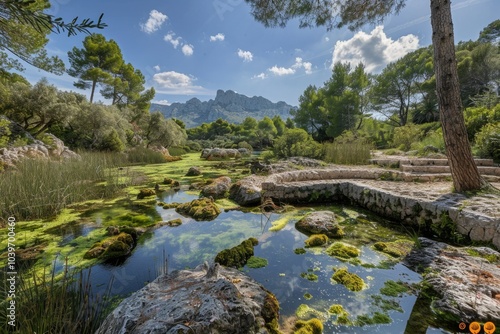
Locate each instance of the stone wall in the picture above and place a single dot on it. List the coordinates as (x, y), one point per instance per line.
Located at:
(332, 185)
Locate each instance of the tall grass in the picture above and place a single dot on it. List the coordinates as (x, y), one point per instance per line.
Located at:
(41, 188)
(45, 304)
(144, 156)
(348, 153)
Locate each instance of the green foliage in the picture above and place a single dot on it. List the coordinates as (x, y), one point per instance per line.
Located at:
(4, 132)
(404, 136)
(477, 117)
(95, 63)
(142, 155)
(487, 141)
(296, 142)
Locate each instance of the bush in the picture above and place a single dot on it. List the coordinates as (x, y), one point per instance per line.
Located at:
(297, 142)
(176, 151)
(433, 142)
(405, 136)
(487, 141)
(142, 155)
(244, 144)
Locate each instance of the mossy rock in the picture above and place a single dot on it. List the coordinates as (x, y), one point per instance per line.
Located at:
(270, 313)
(237, 256)
(343, 251)
(174, 222)
(316, 240)
(350, 280)
(299, 251)
(312, 326)
(398, 248)
(200, 209)
(143, 193)
(336, 309)
(113, 247)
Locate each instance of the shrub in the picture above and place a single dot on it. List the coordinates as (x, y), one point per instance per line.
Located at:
(142, 155)
(176, 151)
(297, 142)
(487, 141)
(244, 144)
(406, 135)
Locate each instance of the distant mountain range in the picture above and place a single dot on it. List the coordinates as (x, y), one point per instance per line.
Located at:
(227, 105)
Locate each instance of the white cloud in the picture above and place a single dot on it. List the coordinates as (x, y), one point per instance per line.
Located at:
(375, 49)
(219, 37)
(281, 70)
(170, 37)
(247, 56)
(163, 102)
(177, 83)
(157, 68)
(187, 49)
(260, 76)
(299, 63)
(154, 22)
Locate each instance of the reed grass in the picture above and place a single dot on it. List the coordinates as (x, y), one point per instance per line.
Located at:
(144, 156)
(49, 304)
(348, 153)
(41, 188)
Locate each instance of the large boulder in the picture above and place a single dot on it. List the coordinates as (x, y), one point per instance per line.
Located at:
(220, 153)
(466, 279)
(320, 222)
(207, 299)
(219, 188)
(247, 192)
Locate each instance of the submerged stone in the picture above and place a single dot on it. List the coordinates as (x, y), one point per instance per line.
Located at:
(207, 299)
(320, 222)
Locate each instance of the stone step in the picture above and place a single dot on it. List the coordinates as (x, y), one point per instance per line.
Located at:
(395, 163)
(483, 170)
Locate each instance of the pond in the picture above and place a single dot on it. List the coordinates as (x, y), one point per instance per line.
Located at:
(193, 242)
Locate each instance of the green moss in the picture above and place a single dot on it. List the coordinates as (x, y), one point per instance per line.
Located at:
(270, 313)
(398, 248)
(492, 258)
(336, 309)
(282, 221)
(310, 276)
(143, 193)
(307, 296)
(316, 240)
(237, 256)
(200, 209)
(299, 251)
(256, 262)
(312, 326)
(305, 311)
(174, 222)
(343, 319)
(350, 280)
(376, 319)
(395, 289)
(112, 247)
(342, 250)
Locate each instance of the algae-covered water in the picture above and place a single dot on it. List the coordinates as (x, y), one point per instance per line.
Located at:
(286, 274)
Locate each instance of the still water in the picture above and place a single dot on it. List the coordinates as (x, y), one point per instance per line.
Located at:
(192, 243)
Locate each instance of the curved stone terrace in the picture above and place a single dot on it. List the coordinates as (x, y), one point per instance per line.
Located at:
(412, 198)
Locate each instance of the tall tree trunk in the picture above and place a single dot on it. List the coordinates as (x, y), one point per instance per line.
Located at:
(94, 83)
(463, 168)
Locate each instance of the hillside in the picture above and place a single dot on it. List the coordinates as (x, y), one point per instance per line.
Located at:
(227, 105)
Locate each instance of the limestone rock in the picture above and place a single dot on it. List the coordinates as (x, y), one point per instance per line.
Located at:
(193, 171)
(202, 300)
(468, 286)
(247, 192)
(219, 188)
(320, 222)
(220, 153)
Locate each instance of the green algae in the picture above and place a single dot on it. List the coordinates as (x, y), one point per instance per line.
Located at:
(342, 251)
(305, 311)
(386, 304)
(398, 248)
(256, 262)
(395, 289)
(311, 326)
(376, 319)
(350, 280)
(492, 258)
(310, 276)
(316, 240)
(307, 296)
(282, 221)
(336, 309)
(342, 316)
(299, 251)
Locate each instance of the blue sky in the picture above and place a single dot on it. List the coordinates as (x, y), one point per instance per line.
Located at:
(191, 48)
